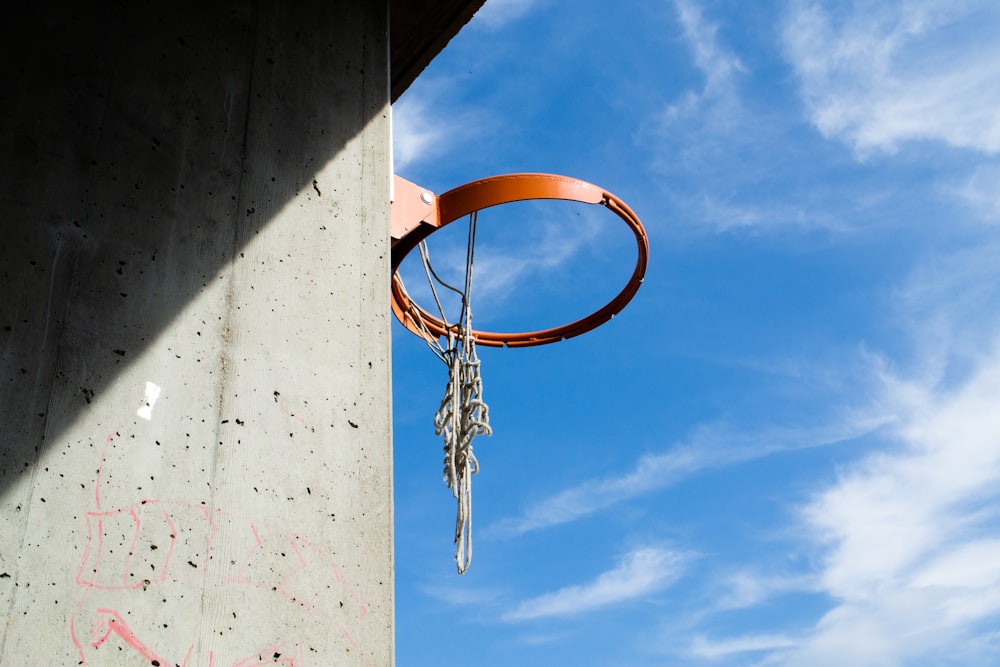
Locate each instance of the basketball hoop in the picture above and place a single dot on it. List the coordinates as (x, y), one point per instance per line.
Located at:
(417, 213)
(463, 414)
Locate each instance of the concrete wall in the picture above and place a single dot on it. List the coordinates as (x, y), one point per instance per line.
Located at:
(195, 449)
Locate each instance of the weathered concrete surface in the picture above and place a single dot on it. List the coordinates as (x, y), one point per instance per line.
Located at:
(195, 451)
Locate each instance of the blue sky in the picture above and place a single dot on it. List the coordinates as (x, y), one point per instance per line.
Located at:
(786, 450)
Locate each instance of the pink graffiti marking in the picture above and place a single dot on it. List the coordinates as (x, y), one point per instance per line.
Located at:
(285, 409)
(114, 623)
(294, 416)
(272, 560)
(276, 650)
(362, 605)
(76, 642)
(96, 556)
(242, 571)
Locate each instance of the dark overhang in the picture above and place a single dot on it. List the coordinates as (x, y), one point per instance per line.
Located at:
(418, 30)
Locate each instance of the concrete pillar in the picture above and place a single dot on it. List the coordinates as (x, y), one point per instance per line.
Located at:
(195, 447)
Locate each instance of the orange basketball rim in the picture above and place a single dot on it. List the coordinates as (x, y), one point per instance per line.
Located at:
(417, 213)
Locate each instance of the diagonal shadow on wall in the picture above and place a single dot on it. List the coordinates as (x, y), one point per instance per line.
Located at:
(142, 146)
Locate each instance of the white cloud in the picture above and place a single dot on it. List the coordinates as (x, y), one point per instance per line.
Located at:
(976, 564)
(512, 255)
(638, 574)
(721, 159)
(909, 536)
(981, 191)
(415, 132)
(945, 308)
(746, 589)
(709, 447)
(650, 473)
(716, 63)
(498, 13)
(458, 593)
(725, 216)
(879, 74)
(702, 647)
(427, 126)
(911, 503)
(548, 246)
(905, 541)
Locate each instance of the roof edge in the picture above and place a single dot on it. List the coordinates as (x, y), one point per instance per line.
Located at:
(417, 34)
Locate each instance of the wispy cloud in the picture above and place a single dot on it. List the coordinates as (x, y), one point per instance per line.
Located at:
(981, 192)
(915, 502)
(876, 75)
(702, 647)
(715, 62)
(911, 543)
(945, 308)
(508, 258)
(415, 132)
(906, 540)
(425, 126)
(721, 157)
(726, 216)
(709, 447)
(638, 574)
(498, 13)
(458, 593)
(746, 588)
(545, 248)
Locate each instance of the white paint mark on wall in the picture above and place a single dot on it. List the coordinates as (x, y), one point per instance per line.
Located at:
(152, 393)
